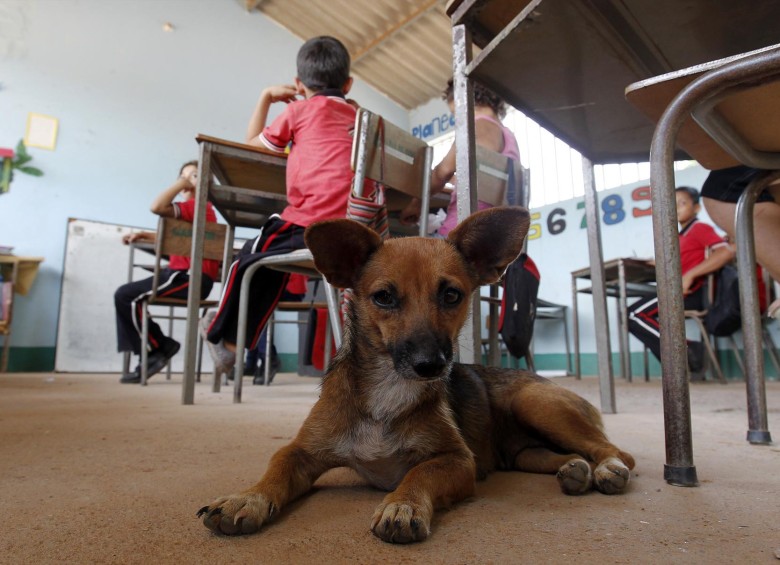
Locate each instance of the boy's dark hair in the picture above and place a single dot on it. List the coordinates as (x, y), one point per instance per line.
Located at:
(187, 164)
(692, 192)
(483, 96)
(323, 62)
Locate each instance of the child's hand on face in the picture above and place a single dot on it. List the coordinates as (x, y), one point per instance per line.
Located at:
(190, 175)
(282, 93)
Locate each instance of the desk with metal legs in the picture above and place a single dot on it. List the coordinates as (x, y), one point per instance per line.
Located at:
(735, 103)
(246, 185)
(625, 278)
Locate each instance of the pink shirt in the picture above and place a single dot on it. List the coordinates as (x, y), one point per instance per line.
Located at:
(319, 175)
(510, 150)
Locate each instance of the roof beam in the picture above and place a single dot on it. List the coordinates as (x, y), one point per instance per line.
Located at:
(252, 4)
(394, 29)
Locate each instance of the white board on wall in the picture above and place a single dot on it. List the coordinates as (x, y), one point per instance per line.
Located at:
(96, 264)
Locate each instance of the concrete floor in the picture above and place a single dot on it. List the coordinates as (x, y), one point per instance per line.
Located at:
(98, 472)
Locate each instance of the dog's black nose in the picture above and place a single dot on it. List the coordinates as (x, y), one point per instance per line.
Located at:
(429, 367)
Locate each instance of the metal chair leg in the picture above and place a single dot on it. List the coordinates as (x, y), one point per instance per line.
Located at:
(269, 345)
(144, 344)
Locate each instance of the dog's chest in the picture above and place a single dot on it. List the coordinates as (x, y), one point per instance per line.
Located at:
(381, 453)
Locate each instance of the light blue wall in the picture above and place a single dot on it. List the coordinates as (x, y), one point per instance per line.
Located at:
(130, 99)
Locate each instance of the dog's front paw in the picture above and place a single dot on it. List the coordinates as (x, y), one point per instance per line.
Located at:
(575, 477)
(401, 522)
(611, 476)
(237, 514)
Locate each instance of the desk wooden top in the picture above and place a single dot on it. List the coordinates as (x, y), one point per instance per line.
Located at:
(754, 113)
(201, 138)
(566, 64)
(252, 181)
(19, 259)
(636, 270)
(27, 269)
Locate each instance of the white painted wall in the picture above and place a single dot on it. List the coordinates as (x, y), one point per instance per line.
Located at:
(558, 255)
(130, 99)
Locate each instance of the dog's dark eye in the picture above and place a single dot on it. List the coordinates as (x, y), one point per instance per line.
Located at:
(384, 299)
(451, 296)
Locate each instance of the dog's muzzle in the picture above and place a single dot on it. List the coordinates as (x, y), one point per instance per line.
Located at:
(423, 357)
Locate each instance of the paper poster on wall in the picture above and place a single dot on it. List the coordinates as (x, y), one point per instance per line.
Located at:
(41, 131)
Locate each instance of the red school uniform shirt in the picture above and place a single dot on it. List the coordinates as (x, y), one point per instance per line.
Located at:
(695, 239)
(319, 174)
(186, 211)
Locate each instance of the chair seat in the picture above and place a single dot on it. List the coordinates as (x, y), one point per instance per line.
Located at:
(180, 302)
(299, 306)
(695, 313)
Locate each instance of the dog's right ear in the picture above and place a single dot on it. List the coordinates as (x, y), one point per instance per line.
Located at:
(491, 239)
(340, 249)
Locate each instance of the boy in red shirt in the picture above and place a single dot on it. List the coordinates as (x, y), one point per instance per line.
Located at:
(318, 129)
(174, 281)
(696, 238)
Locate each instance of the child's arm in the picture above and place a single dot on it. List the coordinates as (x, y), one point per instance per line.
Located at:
(718, 258)
(280, 93)
(148, 236)
(486, 134)
(163, 204)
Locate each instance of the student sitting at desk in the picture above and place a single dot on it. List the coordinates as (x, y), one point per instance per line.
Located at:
(174, 281)
(319, 130)
(695, 238)
(490, 133)
(720, 194)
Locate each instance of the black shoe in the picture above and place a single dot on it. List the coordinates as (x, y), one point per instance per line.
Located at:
(695, 356)
(259, 373)
(259, 376)
(159, 358)
(133, 378)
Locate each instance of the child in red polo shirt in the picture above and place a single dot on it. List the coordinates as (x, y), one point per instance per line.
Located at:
(174, 281)
(318, 129)
(696, 238)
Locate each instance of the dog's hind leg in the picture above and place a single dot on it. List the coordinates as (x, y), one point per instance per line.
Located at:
(574, 474)
(571, 424)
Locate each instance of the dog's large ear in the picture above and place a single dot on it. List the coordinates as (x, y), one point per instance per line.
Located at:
(340, 249)
(491, 239)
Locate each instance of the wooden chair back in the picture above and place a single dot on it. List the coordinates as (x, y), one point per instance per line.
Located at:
(403, 153)
(392, 156)
(500, 180)
(174, 237)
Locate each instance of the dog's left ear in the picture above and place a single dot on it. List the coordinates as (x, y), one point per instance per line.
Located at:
(340, 249)
(491, 239)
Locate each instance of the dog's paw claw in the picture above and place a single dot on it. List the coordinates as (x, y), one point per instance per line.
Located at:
(401, 523)
(575, 477)
(237, 514)
(611, 476)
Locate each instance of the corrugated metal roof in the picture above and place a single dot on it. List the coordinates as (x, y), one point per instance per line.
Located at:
(402, 48)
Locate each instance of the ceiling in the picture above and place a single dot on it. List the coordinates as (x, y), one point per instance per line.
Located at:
(402, 48)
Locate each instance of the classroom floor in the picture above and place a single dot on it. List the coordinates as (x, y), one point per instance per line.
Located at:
(98, 472)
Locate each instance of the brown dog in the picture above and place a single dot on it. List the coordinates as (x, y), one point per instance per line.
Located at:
(397, 409)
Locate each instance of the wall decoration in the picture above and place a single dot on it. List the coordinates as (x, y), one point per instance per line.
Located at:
(41, 131)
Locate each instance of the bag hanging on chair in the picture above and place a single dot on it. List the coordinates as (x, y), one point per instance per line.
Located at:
(724, 316)
(518, 305)
(366, 203)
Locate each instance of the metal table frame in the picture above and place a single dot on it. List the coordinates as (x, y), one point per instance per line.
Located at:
(626, 277)
(698, 99)
(619, 40)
